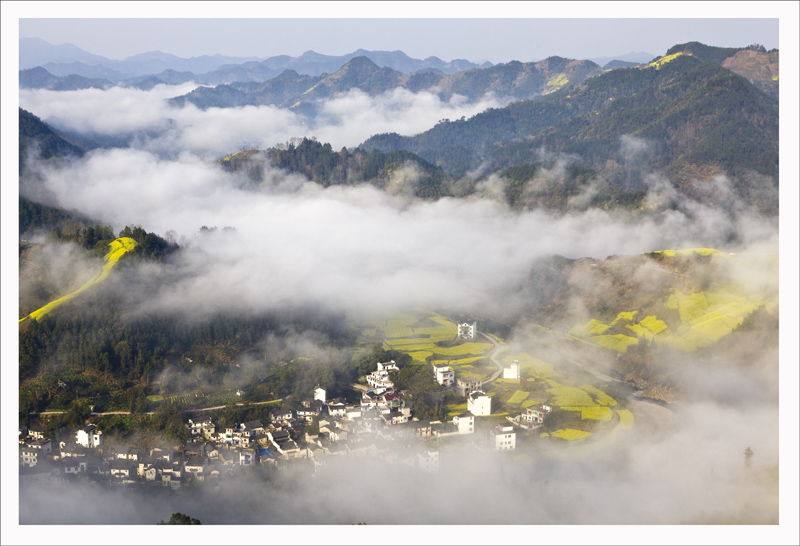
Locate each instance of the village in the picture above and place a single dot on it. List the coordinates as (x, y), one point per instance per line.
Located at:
(381, 426)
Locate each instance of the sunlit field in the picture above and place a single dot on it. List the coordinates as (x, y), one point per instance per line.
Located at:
(118, 248)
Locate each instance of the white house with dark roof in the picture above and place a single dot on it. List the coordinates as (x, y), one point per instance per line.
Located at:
(308, 412)
(535, 415)
(252, 429)
(281, 415)
(478, 403)
(195, 465)
(202, 426)
(379, 379)
(36, 432)
(89, 436)
(443, 374)
(337, 410)
(503, 437)
(123, 468)
(29, 457)
(428, 461)
(465, 423)
(467, 330)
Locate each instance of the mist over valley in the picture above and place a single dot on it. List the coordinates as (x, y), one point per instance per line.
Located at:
(611, 234)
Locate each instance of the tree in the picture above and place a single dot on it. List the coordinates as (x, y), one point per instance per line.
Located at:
(180, 519)
(748, 456)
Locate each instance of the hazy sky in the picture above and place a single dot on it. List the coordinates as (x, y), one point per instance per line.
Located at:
(507, 31)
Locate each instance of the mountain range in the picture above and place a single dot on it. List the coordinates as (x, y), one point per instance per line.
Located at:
(695, 112)
(67, 59)
(513, 80)
(698, 115)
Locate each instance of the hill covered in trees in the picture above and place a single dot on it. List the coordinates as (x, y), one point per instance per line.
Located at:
(692, 117)
(396, 170)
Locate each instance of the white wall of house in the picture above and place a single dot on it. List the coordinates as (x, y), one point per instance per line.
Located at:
(512, 371)
(465, 423)
(503, 437)
(478, 403)
(428, 461)
(444, 375)
(467, 330)
(89, 437)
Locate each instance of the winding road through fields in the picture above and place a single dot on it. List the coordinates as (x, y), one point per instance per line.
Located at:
(493, 357)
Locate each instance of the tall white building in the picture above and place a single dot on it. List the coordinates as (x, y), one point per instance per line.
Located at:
(467, 330)
(478, 403)
(428, 461)
(319, 394)
(443, 374)
(511, 371)
(89, 436)
(465, 422)
(503, 437)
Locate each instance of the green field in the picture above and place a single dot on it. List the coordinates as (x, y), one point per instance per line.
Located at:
(618, 342)
(418, 335)
(690, 252)
(625, 418)
(658, 63)
(598, 413)
(518, 397)
(569, 396)
(706, 317)
(569, 434)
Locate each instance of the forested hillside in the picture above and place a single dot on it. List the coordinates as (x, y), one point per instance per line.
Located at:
(37, 136)
(694, 116)
(321, 164)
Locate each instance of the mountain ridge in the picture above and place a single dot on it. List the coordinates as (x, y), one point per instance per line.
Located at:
(66, 59)
(289, 89)
(688, 118)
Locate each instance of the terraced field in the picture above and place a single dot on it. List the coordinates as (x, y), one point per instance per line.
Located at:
(118, 248)
(518, 398)
(569, 434)
(625, 418)
(419, 336)
(591, 402)
(690, 251)
(598, 413)
(658, 63)
(705, 317)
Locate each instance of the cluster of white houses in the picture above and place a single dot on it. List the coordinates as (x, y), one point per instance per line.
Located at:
(375, 426)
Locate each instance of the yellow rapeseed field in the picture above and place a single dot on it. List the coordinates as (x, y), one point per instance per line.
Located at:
(117, 249)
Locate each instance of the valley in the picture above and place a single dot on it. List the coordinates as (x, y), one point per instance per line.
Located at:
(368, 287)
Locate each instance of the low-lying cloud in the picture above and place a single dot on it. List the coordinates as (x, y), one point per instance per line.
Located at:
(344, 121)
(296, 242)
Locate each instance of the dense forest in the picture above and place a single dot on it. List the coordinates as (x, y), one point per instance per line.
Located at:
(692, 112)
(321, 164)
